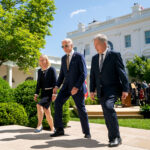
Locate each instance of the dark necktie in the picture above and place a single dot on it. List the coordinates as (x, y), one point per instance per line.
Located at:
(101, 62)
(67, 60)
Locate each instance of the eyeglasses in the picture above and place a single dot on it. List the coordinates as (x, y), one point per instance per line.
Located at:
(65, 46)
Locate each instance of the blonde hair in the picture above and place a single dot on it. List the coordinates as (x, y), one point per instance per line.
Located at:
(47, 60)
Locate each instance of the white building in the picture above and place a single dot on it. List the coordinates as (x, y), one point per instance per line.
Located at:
(129, 34)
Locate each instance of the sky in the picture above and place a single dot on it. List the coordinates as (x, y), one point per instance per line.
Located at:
(70, 12)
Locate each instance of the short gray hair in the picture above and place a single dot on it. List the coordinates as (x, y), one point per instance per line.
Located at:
(67, 40)
(101, 37)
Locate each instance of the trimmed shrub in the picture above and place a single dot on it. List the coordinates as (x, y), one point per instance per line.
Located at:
(24, 94)
(66, 113)
(145, 110)
(89, 101)
(6, 93)
(71, 102)
(73, 114)
(12, 113)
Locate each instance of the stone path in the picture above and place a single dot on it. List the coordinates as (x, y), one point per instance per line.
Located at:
(23, 138)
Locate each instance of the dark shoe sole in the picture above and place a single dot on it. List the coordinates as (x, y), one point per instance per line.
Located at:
(114, 145)
(55, 135)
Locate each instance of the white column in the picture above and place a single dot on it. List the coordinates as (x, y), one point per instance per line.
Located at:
(9, 75)
(36, 73)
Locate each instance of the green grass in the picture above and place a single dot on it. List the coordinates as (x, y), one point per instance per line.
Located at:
(133, 123)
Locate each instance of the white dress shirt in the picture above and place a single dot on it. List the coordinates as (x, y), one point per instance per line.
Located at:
(104, 55)
(70, 55)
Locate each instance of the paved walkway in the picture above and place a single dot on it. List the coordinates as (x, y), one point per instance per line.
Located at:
(22, 138)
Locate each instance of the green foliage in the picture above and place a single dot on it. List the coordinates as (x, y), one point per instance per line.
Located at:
(6, 93)
(118, 102)
(132, 123)
(71, 101)
(139, 68)
(73, 114)
(89, 101)
(145, 110)
(147, 71)
(66, 113)
(24, 94)
(24, 24)
(12, 113)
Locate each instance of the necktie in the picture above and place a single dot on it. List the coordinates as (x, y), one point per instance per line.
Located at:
(67, 62)
(101, 62)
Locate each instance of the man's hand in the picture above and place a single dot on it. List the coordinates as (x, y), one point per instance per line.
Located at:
(35, 97)
(92, 95)
(124, 96)
(54, 97)
(74, 90)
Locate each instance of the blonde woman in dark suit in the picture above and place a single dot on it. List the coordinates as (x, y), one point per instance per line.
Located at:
(45, 83)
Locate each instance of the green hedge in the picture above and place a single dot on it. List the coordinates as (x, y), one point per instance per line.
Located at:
(6, 93)
(24, 94)
(145, 110)
(89, 101)
(12, 113)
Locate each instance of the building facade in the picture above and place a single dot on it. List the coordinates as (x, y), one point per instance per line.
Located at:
(129, 34)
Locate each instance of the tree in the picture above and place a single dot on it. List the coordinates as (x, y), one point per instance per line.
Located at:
(23, 27)
(139, 68)
(147, 72)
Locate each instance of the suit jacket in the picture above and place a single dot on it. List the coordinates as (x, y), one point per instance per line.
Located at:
(76, 75)
(49, 81)
(112, 80)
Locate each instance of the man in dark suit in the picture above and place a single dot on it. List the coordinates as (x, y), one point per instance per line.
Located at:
(109, 79)
(72, 75)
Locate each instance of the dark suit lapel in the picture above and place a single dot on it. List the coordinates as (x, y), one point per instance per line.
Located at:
(97, 62)
(65, 63)
(106, 60)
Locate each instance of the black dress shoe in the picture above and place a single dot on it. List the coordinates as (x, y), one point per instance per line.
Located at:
(115, 142)
(57, 133)
(88, 136)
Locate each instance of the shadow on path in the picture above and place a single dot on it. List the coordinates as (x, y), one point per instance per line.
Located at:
(34, 136)
(87, 143)
(17, 131)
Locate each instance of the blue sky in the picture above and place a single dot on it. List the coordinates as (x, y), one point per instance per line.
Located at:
(70, 12)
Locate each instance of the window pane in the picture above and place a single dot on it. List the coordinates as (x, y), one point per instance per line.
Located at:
(87, 49)
(128, 41)
(75, 49)
(147, 37)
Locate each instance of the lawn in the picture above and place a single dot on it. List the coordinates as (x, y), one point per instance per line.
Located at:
(133, 123)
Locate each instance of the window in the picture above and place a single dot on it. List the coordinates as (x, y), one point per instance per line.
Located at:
(147, 37)
(87, 50)
(128, 41)
(75, 49)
